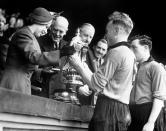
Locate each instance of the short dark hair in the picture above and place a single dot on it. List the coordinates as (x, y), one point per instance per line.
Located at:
(143, 39)
(103, 41)
(122, 19)
(86, 24)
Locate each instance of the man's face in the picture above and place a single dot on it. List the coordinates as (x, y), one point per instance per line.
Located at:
(138, 49)
(42, 29)
(86, 35)
(2, 23)
(57, 32)
(12, 21)
(100, 49)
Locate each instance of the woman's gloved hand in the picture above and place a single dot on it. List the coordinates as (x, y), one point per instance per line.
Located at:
(67, 51)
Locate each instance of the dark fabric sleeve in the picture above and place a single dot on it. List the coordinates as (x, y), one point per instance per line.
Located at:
(3, 53)
(25, 44)
(89, 60)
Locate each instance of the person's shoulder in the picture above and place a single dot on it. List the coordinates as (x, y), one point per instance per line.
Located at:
(44, 39)
(22, 31)
(64, 42)
(156, 66)
(121, 51)
(91, 54)
(90, 50)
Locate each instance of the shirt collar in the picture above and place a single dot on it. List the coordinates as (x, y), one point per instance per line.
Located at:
(123, 43)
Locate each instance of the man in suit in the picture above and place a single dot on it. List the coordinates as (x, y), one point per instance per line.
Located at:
(95, 58)
(52, 41)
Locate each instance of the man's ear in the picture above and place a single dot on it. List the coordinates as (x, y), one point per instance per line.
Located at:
(146, 47)
(65, 32)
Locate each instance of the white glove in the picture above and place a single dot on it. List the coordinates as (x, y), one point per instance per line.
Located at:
(75, 60)
(84, 90)
(149, 126)
(78, 44)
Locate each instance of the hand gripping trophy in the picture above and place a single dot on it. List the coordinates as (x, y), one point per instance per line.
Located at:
(72, 79)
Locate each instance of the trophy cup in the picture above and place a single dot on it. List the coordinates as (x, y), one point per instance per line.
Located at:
(71, 78)
(73, 81)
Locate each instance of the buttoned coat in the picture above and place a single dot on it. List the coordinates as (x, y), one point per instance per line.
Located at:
(24, 57)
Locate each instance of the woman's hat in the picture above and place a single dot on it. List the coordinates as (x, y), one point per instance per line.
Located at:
(40, 16)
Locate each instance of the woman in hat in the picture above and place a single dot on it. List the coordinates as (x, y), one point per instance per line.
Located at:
(24, 54)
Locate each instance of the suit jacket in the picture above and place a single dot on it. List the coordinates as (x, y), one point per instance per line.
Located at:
(24, 56)
(92, 61)
(47, 44)
(49, 82)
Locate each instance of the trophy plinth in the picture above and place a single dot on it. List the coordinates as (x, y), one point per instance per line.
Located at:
(72, 81)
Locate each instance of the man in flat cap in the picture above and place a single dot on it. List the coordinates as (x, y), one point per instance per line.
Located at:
(24, 54)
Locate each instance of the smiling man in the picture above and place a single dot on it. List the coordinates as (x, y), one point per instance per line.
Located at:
(54, 39)
(96, 56)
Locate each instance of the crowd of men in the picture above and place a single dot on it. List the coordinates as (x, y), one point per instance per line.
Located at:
(120, 78)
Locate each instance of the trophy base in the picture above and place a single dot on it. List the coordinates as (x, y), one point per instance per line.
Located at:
(68, 97)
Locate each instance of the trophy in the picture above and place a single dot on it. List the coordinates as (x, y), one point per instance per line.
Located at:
(71, 78)
(73, 81)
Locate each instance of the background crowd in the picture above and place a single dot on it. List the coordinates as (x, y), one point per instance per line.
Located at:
(8, 25)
